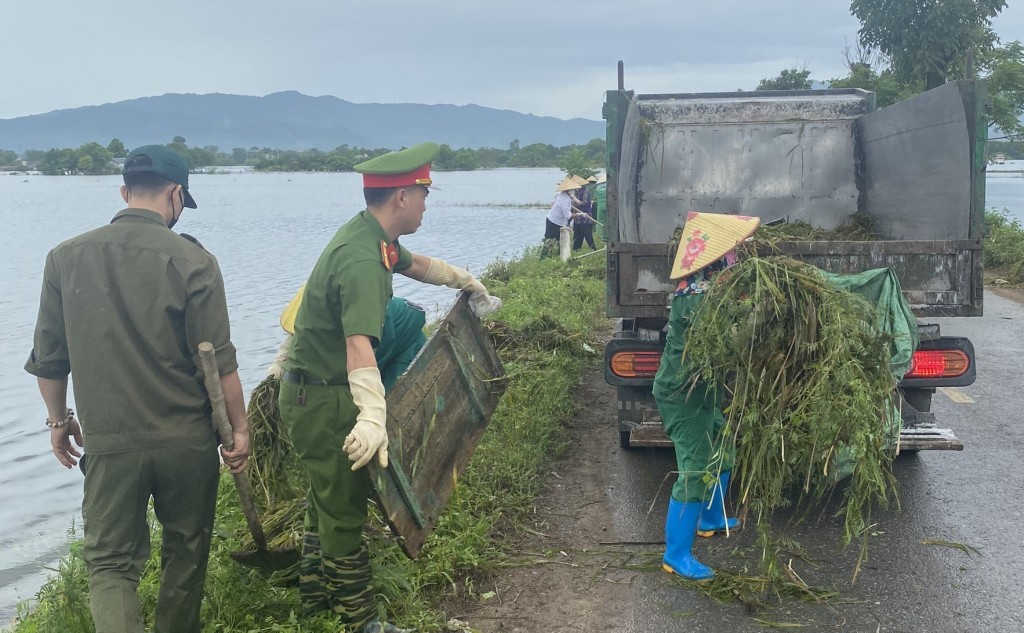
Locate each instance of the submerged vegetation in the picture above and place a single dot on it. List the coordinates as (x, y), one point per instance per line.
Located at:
(565, 303)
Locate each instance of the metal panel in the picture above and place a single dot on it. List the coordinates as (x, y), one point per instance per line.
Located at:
(936, 276)
(917, 167)
(757, 154)
(437, 413)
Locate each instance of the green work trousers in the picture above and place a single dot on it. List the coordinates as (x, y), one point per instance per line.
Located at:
(182, 481)
(337, 497)
(691, 413)
(401, 339)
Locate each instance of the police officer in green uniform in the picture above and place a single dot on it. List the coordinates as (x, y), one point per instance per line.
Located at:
(122, 310)
(332, 394)
(691, 409)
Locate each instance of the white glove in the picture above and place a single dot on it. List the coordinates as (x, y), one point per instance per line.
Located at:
(277, 367)
(441, 273)
(370, 434)
(483, 304)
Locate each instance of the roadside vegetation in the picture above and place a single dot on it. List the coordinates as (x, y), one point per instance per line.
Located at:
(546, 336)
(1003, 249)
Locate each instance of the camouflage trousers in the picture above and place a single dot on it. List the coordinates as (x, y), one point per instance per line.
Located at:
(337, 584)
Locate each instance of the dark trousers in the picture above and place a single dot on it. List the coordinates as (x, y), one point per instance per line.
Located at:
(182, 481)
(551, 230)
(583, 231)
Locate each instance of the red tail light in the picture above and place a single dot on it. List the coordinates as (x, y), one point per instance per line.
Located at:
(635, 364)
(944, 363)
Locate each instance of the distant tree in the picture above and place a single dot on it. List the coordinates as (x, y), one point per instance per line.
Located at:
(887, 90)
(35, 154)
(116, 148)
(99, 159)
(788, 79)
(535, 155)
(926, 39)
(239, 156)
(8, 157)
(513, 147)
(1004, 69)
(178, 140)
(575, 163)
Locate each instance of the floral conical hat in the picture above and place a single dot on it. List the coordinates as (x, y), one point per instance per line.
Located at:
(707, 237)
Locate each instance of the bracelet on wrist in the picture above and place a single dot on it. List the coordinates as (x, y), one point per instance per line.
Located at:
(59, 424)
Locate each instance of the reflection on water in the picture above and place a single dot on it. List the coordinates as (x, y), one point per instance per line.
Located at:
(266, 230)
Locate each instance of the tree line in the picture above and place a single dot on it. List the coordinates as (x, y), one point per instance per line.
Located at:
(94, 158)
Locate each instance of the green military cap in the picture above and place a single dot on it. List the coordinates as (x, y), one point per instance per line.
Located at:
(409, 166)
(162, 161)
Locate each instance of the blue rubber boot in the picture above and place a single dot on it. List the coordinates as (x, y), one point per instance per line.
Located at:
(680, 530)
(713, 518)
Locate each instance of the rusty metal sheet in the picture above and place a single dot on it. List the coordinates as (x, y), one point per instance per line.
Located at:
(437, 412)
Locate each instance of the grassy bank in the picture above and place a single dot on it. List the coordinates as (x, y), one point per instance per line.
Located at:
(1004, 247)
(545, 337)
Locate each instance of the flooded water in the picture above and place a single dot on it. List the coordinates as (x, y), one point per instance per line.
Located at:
(1004, 189)
(266, 230)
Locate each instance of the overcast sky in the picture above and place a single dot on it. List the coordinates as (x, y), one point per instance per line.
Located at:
(545, 57)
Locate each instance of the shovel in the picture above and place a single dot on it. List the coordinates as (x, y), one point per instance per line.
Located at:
(264, 559)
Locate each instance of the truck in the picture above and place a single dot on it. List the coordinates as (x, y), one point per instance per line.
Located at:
(915, 168)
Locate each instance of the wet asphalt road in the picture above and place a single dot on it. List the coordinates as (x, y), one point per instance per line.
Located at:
(973, 497)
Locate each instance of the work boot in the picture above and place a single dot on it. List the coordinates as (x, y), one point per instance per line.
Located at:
(311, 577)
(680, 530)
(384, 627)
(347, 579)
(713, 518)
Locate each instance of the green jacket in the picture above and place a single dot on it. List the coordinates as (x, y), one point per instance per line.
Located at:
(122, 310)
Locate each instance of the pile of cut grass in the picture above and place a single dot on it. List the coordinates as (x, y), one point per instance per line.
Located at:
(811, 388)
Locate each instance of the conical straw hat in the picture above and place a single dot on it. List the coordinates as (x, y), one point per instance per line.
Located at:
(578, 180)
(707, 237)
(567, 184)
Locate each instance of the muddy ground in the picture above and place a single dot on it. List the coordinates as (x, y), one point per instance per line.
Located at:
(568, 580)
(590, 560)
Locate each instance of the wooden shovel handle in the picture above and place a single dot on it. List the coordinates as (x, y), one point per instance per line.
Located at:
(211, 377)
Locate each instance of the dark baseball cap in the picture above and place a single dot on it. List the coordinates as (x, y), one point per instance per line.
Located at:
(162, 161)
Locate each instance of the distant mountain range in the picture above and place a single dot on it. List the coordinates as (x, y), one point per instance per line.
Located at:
(288, 120)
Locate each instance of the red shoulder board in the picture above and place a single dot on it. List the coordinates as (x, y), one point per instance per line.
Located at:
(388, 255)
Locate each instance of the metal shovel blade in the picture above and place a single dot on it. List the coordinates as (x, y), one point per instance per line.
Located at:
(267, 560)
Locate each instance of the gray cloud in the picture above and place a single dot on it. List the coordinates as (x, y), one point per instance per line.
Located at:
(543, 57)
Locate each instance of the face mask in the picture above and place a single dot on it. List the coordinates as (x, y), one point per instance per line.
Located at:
(174, 217)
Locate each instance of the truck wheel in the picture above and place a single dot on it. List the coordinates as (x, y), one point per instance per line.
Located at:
(624, 440)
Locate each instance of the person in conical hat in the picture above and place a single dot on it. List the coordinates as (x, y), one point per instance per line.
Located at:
(562, 210)
(692, 412)
(332, 392)
(583, 226)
